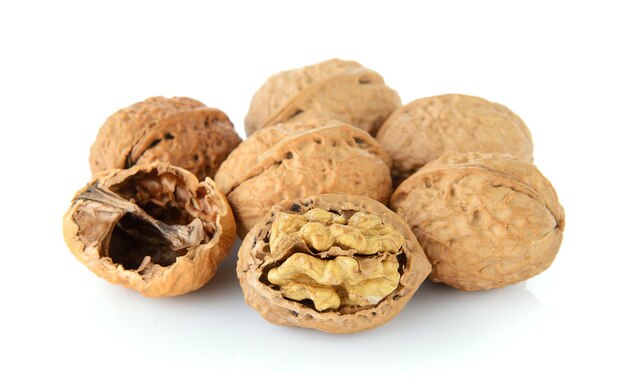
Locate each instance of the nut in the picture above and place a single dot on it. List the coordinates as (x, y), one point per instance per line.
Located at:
(363, 282)
(424, 129)
(153, 228)
(286, 162)
(335, 263)
(484, 220)
(179, 131)
(333, 89)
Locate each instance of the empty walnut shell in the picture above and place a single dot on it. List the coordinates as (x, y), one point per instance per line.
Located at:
(333, 89)
(336, 263)
(180, 131)
(153, 228)
(424, 129)
(484, 220)
(289, 162)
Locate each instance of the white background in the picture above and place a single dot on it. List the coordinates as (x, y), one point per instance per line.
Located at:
(64, 67)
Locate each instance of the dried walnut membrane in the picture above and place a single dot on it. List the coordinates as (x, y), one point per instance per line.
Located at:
(336, 263)
(153, 228)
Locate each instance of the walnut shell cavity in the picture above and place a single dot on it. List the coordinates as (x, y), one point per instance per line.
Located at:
(424, 129)
(180, 131)
(261, 254)
(287, 162)
(484, 220)
(333, 89)
(153, 228)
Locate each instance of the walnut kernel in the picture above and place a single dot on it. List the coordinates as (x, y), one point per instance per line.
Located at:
(336, 263)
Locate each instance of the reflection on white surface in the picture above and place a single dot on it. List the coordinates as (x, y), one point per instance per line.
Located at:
(439, 324)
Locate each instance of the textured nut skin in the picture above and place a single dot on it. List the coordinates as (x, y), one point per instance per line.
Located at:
(333, 89)
(190, 271)
(180, 131)
(424, 129)
(484, 220)
(286, 162)
(254, 252)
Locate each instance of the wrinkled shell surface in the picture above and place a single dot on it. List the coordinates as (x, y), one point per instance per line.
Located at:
(287, 162)
(484, 220)
(333, 89)
(256, 258)
(424, 129)
(101, 235)
(180, 131)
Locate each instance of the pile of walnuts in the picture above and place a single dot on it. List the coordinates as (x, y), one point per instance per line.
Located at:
(345, 200)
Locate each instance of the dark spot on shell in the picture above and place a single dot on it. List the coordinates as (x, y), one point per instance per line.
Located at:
(295, 313)
(295, 208)
(289, 155)
(297, 112)
(364, 81)
(169, 136)
(154, 143)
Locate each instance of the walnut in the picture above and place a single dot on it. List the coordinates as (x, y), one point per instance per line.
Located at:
(153, 228)
(484, 220)
(336, 263)
(424, 129)
(333, 89)
(286, 162)
(180, 131)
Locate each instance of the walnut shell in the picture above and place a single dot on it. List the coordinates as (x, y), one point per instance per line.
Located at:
(333, 89)
(260, 252)
(484, 220)
(180, 131)
(287, 162)
(424, 129)
(153, 228)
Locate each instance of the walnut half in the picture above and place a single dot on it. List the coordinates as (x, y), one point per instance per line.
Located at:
(153, 228)
(335, 263)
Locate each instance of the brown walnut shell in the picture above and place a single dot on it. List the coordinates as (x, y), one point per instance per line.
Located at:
(333, 89)
(261, 253)
(180, 131)
(424, 129)
(153, 228)
(287, 162)
(484, 220)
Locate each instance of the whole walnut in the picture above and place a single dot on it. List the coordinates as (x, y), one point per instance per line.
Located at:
(336, 263)
(424, 129)
(153, 228)
(484, 220)
(287, 162)
(180, 131)
(333, 89)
